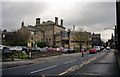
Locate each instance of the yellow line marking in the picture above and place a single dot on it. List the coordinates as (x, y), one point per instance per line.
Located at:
(63, 73)
(50, 74)
(43, 75)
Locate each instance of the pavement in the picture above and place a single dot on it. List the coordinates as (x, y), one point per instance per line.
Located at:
(105, 67)
(20, 62)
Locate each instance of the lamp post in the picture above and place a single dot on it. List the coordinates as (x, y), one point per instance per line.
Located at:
(69, 38)
(74, 36)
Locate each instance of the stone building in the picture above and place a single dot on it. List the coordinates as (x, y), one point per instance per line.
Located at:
(44, 31)
(67, 39)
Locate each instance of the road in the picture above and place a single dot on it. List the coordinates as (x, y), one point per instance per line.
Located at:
(60, 67)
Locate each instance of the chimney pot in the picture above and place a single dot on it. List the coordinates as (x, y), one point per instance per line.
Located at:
(61, 22)
(37, 21)
(22, 23)
(56, 21)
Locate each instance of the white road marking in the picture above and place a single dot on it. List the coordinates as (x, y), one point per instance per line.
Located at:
(70, 62)
(44, 69)
(90, 74)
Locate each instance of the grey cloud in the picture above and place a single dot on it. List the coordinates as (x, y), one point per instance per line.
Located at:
(94, 15)
(102, 13)
(15, 12)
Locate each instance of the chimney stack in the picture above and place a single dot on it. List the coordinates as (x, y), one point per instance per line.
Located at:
(56, 21)
(61, 22)
(37, 21)
(22, 24)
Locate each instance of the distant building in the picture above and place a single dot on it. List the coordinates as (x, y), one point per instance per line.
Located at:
(96, 39)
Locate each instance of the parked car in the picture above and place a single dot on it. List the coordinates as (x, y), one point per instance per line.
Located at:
(65, 50)
(68, 50)
(24, 48)
(101, 48)
(61, 49)
(1, 46)
(108, 48)
(7, 55)
(44, 49)
(12, 49)
(92, 50)
(97, 48)
(18, 48)
(51, 49)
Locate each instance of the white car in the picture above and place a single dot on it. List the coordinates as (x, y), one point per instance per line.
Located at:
(18, 48)
(108, 48)
(12, 48)
(97, 48)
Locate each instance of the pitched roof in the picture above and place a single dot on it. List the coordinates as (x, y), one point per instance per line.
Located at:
(34, 28)
(50, 23)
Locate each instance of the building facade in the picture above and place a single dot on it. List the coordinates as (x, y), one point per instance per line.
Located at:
(67, 39)
(43, 32)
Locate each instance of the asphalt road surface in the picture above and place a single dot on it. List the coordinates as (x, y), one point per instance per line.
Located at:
(71, 66)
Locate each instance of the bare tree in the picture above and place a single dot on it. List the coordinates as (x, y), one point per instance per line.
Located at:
(81, 37)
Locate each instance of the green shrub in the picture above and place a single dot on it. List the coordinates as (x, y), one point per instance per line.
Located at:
(42, 44)
(20, 55)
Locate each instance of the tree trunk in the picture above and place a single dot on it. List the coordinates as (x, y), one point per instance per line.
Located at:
(80, 47)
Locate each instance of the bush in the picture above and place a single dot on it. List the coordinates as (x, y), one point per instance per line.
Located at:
(42, 44)
(20, 55)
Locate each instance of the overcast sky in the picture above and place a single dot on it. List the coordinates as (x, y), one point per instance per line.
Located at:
(92, 16)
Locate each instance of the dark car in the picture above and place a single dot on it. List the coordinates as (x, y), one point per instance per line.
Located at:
(7, 55)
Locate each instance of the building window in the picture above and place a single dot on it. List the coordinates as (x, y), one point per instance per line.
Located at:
(50, 40)
(47, 40)
(31, 38)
